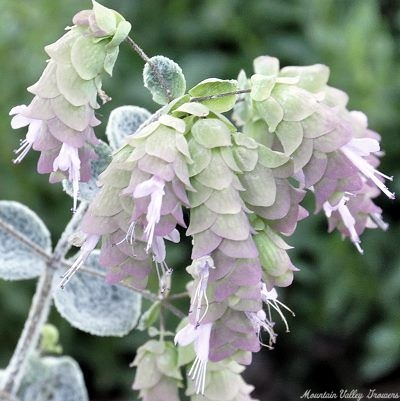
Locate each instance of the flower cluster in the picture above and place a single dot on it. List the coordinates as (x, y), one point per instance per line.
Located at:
(61, 116)
(157, 376)
(243, 191)
(332, 152)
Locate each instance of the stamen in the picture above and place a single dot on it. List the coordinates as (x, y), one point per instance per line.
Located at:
(23, 150)
(367, 170)
(85, 251)
(200, 269)
(198, 374)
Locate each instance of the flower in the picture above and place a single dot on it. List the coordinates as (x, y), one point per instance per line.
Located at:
(199, 335)
(261, 321)
(19, 121)
(356, 151)
(200, 271)
(61, 116)
(155, 188)
(348, 220)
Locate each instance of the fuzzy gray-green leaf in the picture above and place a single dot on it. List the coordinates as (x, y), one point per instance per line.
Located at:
(19, 261)
(98, 308)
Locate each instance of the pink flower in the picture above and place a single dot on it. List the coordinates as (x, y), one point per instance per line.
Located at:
(200, 270)
(20, 120)
(200, 337)
(356, 150)
(155, 188)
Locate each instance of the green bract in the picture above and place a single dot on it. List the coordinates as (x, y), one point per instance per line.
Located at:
(212, 88)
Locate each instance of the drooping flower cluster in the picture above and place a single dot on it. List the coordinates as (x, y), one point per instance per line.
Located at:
(140, 204)
(61, 116)
(332, 152)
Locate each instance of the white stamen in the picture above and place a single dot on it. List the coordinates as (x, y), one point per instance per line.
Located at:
(200, 269)
(85, 251)
(200, 336)
(355, 150)
(347, 218)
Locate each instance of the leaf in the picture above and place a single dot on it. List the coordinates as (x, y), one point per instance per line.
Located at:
(124, 121)
(171, 74)
(53, 379)
(19, 261)
(98, 308)
(212, 87)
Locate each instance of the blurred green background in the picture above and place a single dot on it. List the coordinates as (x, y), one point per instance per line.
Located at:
(346, 333)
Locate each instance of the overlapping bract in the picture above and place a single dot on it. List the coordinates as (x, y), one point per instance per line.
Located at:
(223, 383)
(157, 376)
(243, 192)
(61, 116)
(140, 204)
(332, 152)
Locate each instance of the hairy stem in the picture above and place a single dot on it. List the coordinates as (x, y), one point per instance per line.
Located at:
(39, 310)
(135, 47)
(210, 97)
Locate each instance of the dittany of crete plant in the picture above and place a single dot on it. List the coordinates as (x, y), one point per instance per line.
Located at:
(227, 163)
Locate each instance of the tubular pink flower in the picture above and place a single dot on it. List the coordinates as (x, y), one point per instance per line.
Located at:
(358, 148)
(200, 270)
(155, 188)
(348, 220)
(19, 121)
(270, 298)
(200, 337)
(68, 160)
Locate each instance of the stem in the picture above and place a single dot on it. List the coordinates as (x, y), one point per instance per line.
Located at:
(39, 310)
(218, 95)
(135, 47)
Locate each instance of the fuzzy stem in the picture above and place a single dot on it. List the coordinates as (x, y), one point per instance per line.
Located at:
(218, 95)
(135, 47)
(39, 310)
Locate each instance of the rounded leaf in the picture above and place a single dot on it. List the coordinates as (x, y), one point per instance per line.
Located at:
(214, 88)
(17, 260)
(172, 77)
(53, 379)
(124, 121)
(98, 308)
